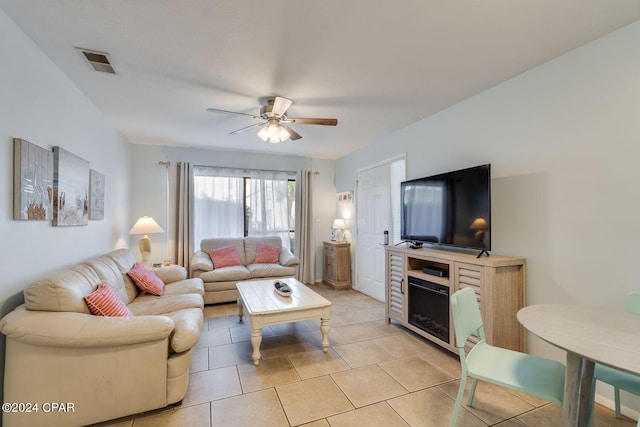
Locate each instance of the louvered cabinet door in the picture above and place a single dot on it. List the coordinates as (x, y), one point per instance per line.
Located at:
(472, 276)
(500, 291)
(396, 302)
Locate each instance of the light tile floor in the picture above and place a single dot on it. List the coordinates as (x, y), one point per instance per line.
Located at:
(374, 374)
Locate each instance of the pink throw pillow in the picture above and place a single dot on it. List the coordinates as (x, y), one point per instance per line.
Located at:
(145, 280)
(267, 254)
(225, 257)
(105, 302)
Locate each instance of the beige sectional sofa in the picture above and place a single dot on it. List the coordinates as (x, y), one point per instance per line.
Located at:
(105, 367)
(220, 283)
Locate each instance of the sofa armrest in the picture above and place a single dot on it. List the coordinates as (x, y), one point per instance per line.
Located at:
(288, 259)
(201, 261)
(79, 330)
(170, 274)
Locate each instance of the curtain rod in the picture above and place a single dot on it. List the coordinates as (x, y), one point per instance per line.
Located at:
(167, 164)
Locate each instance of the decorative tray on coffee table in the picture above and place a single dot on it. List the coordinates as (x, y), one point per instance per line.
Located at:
(282, 288)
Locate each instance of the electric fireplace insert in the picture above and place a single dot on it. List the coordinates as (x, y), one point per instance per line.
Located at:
(429, 307)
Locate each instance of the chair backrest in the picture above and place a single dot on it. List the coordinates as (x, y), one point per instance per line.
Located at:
(632, 304)
(466, 316)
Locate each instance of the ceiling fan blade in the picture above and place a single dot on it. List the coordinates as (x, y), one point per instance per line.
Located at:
(280, 106)
(292, 133)
(324, 122)
(217, 110)
(237, 131)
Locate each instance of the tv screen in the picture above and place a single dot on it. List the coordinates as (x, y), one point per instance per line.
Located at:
(452, 208)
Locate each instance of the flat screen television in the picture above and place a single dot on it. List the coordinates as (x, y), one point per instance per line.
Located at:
(452, 208)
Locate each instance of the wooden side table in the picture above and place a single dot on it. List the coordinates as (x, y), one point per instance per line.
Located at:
(337, 265)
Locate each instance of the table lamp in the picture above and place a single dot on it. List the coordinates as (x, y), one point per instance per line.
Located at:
(339, 225)
(145, 225)
(479, 224)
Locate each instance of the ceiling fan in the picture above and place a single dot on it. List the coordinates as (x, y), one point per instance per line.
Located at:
(274, 121)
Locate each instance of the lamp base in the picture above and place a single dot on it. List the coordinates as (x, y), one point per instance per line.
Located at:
(145, 249)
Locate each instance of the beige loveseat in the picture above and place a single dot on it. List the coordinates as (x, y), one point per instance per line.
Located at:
(220, 283)
(105, 367)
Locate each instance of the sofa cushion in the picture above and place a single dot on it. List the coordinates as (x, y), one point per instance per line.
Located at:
(226, 256)
(104, 301)
(151, 305)
(201, 261)
(63, 290)
(221, 286)
(170, 274)
(130, 286)
(251, 246)
(186, 286)
(145, 280)
(109, 273)
(187, 326)
(125, 261)
(289, 259)
(270, 270)
(123, 258)
(225, 274)
(207, 245)
(267, 254)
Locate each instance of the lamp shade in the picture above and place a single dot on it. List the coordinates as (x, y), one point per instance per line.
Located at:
(338, 224)
(479, 224)
(146, 225)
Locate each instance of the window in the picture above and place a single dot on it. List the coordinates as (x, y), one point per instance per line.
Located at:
(236, 202)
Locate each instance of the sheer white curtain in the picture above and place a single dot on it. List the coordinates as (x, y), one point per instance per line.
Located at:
(221, 197)
(304, 222)
(268, 208)
(218, 207)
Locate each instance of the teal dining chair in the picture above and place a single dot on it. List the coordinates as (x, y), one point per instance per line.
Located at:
(533, 375)
(618, 379)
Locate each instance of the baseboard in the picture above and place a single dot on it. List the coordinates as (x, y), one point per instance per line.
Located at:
(625, 410)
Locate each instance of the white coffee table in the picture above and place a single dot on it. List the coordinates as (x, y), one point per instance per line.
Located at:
(264, 307)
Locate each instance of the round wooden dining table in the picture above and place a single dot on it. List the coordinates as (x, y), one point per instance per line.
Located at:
(589, 335)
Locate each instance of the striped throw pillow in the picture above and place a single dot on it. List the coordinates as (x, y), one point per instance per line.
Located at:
(105, 302)
(145, 280)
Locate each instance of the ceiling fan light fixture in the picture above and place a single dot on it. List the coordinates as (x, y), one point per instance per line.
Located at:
(273, 128)
(274, 132)
(264, 133)
(283, 133)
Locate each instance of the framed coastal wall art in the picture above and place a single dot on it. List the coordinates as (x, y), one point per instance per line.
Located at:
(70, 189)
(345, 198)
(32, 181)
(96, 195)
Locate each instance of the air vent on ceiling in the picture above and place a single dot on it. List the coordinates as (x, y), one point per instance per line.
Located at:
(99, 61)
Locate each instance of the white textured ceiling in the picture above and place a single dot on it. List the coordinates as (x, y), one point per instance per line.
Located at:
(375, 65)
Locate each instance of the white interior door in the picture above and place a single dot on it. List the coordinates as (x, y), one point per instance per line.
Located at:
(373, 213)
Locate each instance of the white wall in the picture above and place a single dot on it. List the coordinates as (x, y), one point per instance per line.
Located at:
(564, 143)
(149, 189)
(39, 103)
